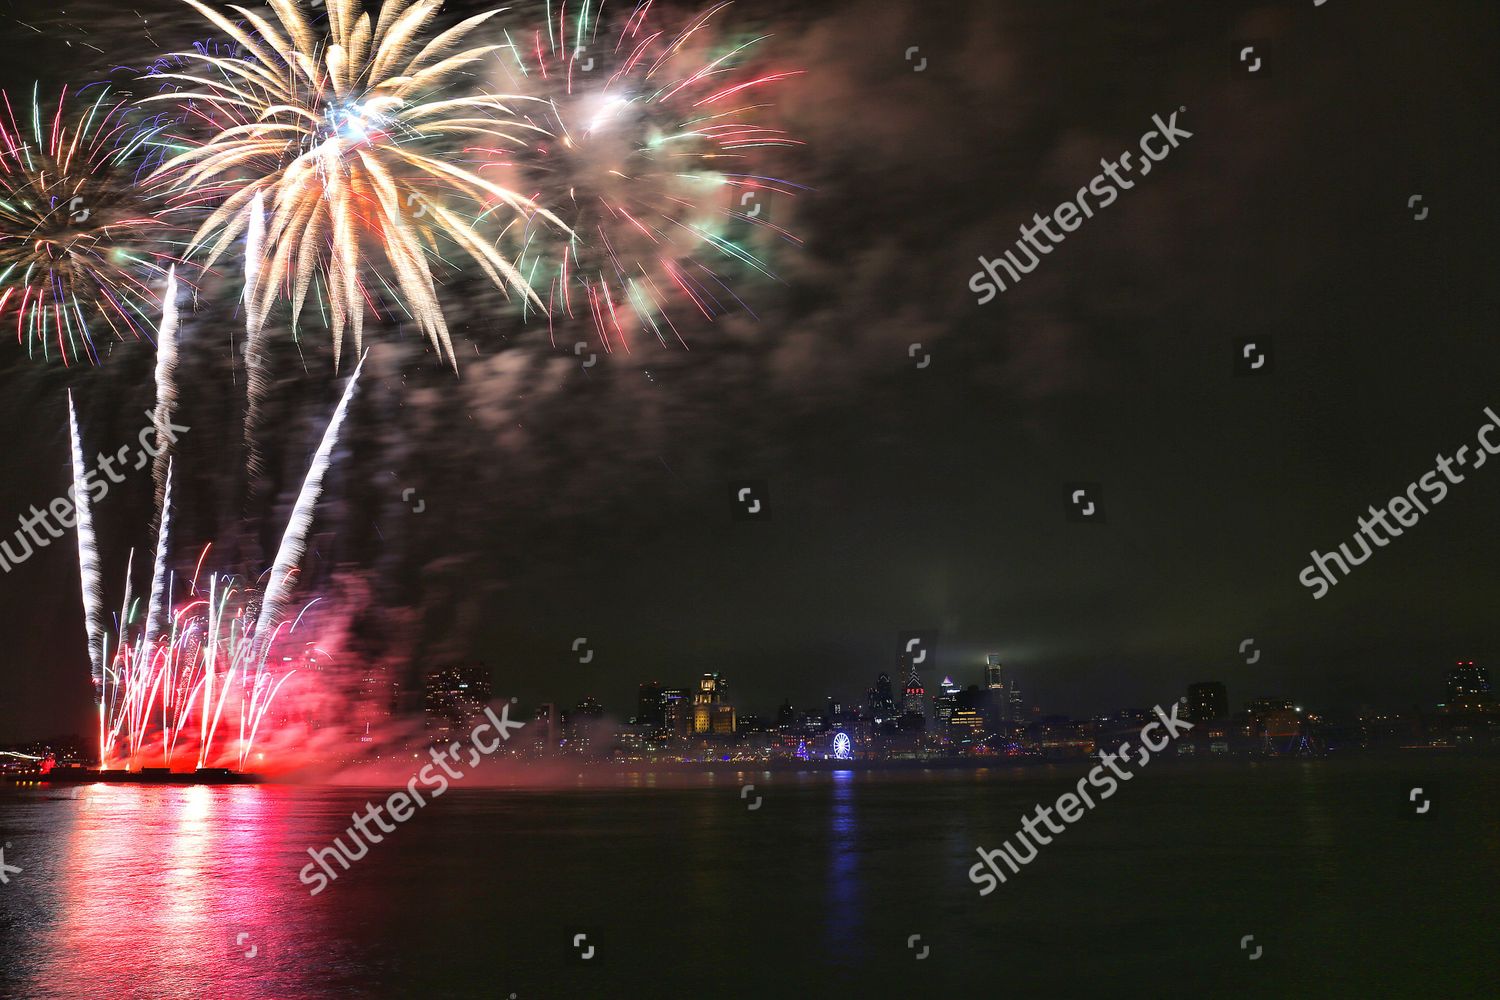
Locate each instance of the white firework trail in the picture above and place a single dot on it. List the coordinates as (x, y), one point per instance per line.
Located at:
(294, 541)
(159, 577)
(166, 384)
(255, 315)
(88, 567)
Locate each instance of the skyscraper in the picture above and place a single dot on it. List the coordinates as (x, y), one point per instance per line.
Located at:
(992, 678)
(454, 697)
(1466, 680)
(1207, 701)
(946, 703)
(712, 712)
(883, 700)
(912, 702)
(676, 711)
(648, 706)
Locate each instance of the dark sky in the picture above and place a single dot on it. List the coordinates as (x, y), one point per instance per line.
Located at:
(561, 503)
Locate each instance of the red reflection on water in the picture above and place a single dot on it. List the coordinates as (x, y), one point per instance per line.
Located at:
(179, 891)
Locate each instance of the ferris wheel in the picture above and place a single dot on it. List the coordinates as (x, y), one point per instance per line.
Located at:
(842, 749)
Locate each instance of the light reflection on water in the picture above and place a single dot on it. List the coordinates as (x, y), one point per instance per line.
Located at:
(138, 891)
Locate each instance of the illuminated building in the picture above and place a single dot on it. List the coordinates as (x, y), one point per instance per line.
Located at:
(913, 696)
(712, 712)
(676, 711)
(967, 727)
(455, 696)
(1207, 702)
(584, 726)
(946, 703)
(1466, 680)
(992, 672)
(545, 729)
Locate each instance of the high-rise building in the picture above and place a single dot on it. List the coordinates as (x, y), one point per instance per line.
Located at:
(946, 703)
(1466, 680)
(883, 700)
(914, 696)
(585, 726)
(648, 707)
(1207, 702)
(967, 727)
(545, 728)
(992, 672)
(712, 712)
(676, 711)
(1017, 710)
(455, 696)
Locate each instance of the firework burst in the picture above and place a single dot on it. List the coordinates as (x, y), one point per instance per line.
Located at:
(200, 682)
(77, 243)
(652, 162)
(349, 133)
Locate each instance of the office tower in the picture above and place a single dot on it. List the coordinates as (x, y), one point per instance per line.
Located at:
(585, 726)
(992, 677)
(967, 727)
(648, 706)
(946, 702)
(912, 702)
(545, 729)
(1466, 680)
(455, 696)
(883, 700)
(1017, 711)
(676, 711)
(1207, 701)
(712, 712)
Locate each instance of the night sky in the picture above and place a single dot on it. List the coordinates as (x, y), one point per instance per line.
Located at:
(559, 502)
